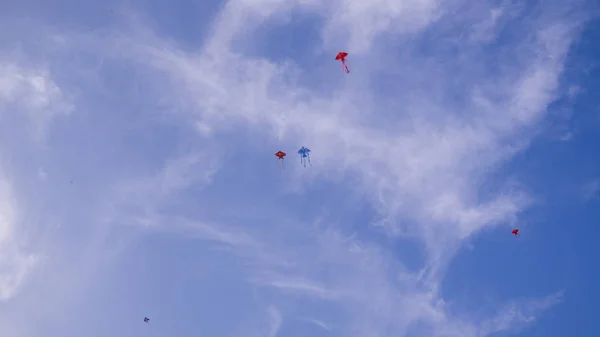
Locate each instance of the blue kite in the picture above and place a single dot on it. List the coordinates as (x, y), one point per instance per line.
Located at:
(147, 320)
(304, 156)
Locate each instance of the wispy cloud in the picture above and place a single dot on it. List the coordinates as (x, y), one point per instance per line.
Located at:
(514, 315)
(275, 321)
(316, 322)
(590, 189)
(295, 285)
(15, 262)
(29, 99)
(31, 91)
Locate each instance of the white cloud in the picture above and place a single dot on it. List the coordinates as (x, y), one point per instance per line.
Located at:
(514, 315)
(590, 189)
(566, 137)
(275, 319)
(486, 30)
(31, 91)
(27, 93)
(356, 24)
(316, 322)
(296, 285)
(15, 263)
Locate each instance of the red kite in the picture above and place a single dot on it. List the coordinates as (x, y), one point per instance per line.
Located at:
(341, 56)
(280, 155)
(515, 232)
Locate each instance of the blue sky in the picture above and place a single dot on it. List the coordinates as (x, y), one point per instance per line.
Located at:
(138, 177)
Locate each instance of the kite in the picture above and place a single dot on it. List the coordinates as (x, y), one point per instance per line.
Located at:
(304, 156)
(341, 56)
(515, 232)
(280, 155)
(146, 320)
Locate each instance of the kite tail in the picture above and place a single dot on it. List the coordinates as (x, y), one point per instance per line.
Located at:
(309, 161)
(345, 66)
